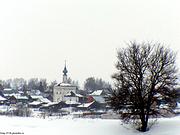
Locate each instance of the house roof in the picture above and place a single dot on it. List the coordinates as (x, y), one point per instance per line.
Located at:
(20, 97)
(66, 85)
(97, 93)
(36, 96)
(44, 100)
(72, 102)
(49, 104)
(79, 95)
(35, 103)
(41, 99)
(85, 105)
(7, 89)
(8, 95)
(72, 94)
(2, 98)
(17, 96)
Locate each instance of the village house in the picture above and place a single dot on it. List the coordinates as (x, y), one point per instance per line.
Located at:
(99, 96)
(53, 107)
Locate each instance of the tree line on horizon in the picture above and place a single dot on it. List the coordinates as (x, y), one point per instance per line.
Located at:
(90, 84)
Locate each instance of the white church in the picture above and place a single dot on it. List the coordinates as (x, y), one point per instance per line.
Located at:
(62, 90)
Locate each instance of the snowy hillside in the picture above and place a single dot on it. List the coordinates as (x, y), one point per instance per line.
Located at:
(67, 126)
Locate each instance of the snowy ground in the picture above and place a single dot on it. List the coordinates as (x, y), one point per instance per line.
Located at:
(68, 126)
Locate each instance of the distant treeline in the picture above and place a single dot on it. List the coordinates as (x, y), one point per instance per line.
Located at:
(90, 84)
(31, 84)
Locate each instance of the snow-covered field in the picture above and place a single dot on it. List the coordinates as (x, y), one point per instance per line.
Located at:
(68, 126)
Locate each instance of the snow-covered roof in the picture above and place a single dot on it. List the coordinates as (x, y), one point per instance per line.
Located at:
(11, 94)
(17, 96)
(71, 93)
(79, 112)
(65, 84)
(79, 95)
(35, 103)
(49, 104)
(96, 93)
(41, 99)
(85, 105)
(72, 102)
(36, 97)
(7, 89)
(2, 98)
(44, 100)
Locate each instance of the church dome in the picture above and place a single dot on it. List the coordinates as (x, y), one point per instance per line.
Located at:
(65, 70)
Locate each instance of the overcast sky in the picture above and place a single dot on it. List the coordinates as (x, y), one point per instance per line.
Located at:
(37, 36)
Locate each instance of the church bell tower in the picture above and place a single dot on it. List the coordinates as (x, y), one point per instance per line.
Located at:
(65, 74)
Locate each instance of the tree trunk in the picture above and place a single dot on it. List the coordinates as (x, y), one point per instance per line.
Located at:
(144, 121)
(144, 125)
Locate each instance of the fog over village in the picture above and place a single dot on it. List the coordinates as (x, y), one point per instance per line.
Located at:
(90, 67)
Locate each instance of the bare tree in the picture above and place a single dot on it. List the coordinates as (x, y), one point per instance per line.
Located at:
(144, 82)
